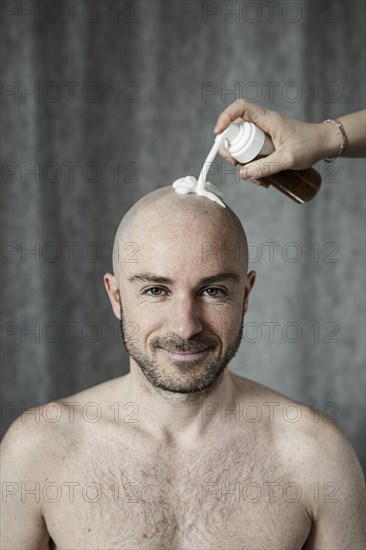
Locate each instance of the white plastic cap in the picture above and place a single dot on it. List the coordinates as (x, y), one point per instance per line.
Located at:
(244, 140)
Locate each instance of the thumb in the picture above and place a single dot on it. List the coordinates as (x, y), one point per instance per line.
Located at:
(274, 163)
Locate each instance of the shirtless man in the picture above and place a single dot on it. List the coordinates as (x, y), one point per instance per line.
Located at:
(180, 453)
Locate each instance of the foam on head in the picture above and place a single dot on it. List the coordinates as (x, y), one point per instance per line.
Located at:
(189, 184)
(204, 188)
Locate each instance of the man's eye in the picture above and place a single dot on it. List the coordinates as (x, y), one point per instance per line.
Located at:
(215, 292)
(154, 291)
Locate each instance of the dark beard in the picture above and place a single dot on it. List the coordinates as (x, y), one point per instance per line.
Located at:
(192, 383)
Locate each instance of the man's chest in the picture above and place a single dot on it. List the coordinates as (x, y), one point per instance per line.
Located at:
(224, 498)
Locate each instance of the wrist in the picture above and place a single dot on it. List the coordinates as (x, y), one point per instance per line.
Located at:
(339, 132)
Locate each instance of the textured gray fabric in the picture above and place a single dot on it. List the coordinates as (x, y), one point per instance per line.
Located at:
(177, 65)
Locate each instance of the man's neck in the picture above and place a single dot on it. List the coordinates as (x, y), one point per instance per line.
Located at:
(179, 418)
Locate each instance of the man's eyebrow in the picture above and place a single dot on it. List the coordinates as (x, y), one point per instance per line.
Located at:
(150, 278)
(229, 276)
(211, 279)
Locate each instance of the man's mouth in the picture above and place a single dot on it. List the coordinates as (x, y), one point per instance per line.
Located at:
(185, 355)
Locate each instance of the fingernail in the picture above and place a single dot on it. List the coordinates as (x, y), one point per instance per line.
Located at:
(217, 127)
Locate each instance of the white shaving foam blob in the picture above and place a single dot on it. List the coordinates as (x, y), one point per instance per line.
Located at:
(189, 184)
(204, 188)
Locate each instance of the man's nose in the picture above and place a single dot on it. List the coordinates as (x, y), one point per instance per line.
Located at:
(186, 318)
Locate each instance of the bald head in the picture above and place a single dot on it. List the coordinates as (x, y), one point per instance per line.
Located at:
(165, 214)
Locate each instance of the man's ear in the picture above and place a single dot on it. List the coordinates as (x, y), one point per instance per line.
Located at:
(111, 286)
(251, 276)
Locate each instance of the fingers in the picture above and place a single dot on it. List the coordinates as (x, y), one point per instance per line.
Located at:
(264, 167)
(241, 109)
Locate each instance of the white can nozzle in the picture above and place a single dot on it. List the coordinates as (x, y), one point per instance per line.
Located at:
(231, 133)
(244, 140)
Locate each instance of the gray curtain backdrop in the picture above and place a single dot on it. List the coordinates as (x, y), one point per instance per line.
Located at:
(103, 102)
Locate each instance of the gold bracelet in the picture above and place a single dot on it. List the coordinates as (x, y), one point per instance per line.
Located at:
(344, 143)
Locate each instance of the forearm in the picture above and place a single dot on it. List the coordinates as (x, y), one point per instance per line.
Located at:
(354, 126)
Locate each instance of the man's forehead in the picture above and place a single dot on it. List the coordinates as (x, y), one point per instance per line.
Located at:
(193, 253)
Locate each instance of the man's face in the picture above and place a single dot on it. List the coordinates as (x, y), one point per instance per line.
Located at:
(181, 304)
(185, 358)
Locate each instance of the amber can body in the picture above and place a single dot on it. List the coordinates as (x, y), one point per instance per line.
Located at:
(299, 185)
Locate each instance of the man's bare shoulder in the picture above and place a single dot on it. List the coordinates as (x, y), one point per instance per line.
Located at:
(56, 426)
(277, 408)
(101, 393)
(289, 418)
(309, 442)
(263, 403)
